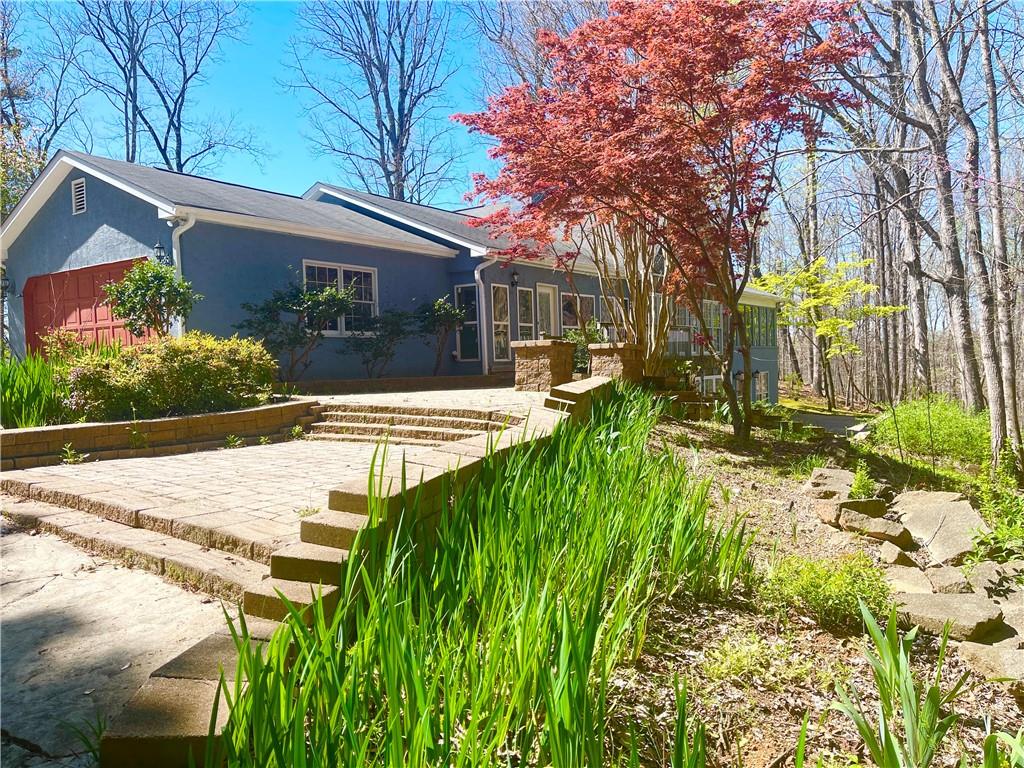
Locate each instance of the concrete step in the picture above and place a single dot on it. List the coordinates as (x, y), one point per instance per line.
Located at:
(309, 562)
(413, 420)
(264, 601)
(331, 528)
(412, 410)
(207, 570)
(392, 440)
(393, 430)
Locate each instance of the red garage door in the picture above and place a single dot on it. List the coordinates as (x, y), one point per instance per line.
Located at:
(74, 300)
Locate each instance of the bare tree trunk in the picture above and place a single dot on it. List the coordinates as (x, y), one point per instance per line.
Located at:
(1004, 281)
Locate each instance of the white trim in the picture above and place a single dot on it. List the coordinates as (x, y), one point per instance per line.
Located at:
(78, 190)
(758, 298)
(317, 189)
(481, 312)
(533, 314)
(275, 225)
(548, 263)
(458, 336)
(507, 323)
(341, 332)
(176, 233)
(556, 309)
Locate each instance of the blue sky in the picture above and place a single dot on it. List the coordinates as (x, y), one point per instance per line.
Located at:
(247, 84)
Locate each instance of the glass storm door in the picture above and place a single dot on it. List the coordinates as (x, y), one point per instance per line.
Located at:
(547, 306)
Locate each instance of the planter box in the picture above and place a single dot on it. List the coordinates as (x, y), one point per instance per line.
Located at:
(38, 446)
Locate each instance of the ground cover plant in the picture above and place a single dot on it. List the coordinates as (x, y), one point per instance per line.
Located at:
(495, 645)
(934, 427)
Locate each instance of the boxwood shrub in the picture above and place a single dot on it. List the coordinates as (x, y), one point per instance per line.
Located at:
(196, 373)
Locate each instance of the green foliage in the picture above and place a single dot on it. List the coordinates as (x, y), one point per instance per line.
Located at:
(493, 644)
(292, 322)
(828, 590)
(863, 486)
(263, 440)
(68, 455)
(297, 432)
(1002, 506)
(196, 373)
(234, 441)
(377, 345)
(827, 299)
(32, 392)
(802, 468)
(150, 295)
(747, 658)
(935, 426)
(913, 718)
(591, 333)
(436, 322)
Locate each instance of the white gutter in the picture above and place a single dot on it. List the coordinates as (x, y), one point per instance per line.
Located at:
(481, 313)
(178, 231)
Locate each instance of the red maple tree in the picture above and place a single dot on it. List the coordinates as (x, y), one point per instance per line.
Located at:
(668, 117)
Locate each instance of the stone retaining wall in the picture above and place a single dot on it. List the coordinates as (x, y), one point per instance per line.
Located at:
(617, 361)
(39, 446)
(407, 384)
(542, 364)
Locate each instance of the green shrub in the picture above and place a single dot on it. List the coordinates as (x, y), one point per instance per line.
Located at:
(1002, 506)
(150, 296)
(863, 486)
(828, 589)
(591, 333)
(935, 426)
(196, 373)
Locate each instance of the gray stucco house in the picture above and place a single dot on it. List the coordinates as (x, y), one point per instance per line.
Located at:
(87, 219)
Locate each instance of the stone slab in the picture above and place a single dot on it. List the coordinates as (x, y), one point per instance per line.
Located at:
(205, 660)
(906, 580)
(948, 580)
(972, 616)
(890, 554)
(332, 528)
(165, 722)
(994, 661)
(868, 507)
(876, 528)
(941, 521)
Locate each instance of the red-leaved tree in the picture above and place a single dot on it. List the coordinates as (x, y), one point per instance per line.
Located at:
(666, 117)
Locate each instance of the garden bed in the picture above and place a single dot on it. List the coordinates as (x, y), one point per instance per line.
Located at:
(40, 446)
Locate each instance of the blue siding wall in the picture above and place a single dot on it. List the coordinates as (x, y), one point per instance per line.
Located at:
(114, 227)
(231, 265)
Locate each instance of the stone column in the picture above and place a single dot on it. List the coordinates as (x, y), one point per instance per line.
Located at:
(617, 361)
(542, 364)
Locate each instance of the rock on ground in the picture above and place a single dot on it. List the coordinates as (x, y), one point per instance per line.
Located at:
(890, 554)
(994, 661)
(828, 483)
(80, 635)
(876, 528)
(948, 579)
(972, 616)
(941, 521)
(909, 580)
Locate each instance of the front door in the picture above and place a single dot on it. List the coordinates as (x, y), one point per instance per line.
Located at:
(547, 311)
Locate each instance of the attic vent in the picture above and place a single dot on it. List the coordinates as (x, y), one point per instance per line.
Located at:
(77, 196)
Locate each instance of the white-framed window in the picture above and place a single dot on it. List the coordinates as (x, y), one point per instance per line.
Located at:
(525, 316)
(77, 196)
(760, 388)
(578, 310)
(712, 311)
(500, 322)
(467, 341)
(710, 385)
(613, 316)
(363, 282)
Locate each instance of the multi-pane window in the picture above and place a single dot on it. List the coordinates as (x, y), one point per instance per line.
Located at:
(760, 322)
(467, 343)
(613, 317)
(363, 283)
(577, 311)
(500, 322)
(712, 311)
(524, 297)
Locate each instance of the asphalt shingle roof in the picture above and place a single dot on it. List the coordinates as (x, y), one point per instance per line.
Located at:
(210, 194)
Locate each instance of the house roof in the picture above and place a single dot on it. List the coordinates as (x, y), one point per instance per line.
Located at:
(455, 226)
(176, 194)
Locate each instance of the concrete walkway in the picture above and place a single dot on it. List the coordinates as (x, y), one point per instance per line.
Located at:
(79, 636)
(836, 423)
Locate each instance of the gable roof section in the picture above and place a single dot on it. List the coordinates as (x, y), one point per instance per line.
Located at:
(453, 226)
(178, 194)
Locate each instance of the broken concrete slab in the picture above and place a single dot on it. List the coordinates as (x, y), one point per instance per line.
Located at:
(876, 528)
(972, 617)
(997, 581)
(941, 521)
(994, 661)
(828, 483)
(904, 579)
(890, 554)
(873, 507)
(948, 580)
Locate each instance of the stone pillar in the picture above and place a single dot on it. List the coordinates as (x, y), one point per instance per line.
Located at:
(543, 364)
(617, 361)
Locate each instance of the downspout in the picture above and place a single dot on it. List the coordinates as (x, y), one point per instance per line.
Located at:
(176, 233)
(482, 312)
